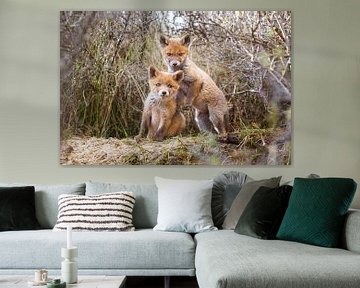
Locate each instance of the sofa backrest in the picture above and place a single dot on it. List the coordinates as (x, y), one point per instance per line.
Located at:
(46, 200)
(146, 203)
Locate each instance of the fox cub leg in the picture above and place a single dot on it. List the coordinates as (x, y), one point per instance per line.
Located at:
(218, 119)
(145, 125)
(178, 124)
(162, 130)
(203, 122)
(170, 128)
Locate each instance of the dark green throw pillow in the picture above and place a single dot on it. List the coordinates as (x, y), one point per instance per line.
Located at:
(316, 211)
(17, 208)
(263, 214)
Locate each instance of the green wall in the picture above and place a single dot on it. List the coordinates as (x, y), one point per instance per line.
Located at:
(326, 90)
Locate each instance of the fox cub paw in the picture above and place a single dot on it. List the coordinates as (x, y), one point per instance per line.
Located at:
(137, 138)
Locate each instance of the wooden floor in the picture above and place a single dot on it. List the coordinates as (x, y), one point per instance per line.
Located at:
(158, 282)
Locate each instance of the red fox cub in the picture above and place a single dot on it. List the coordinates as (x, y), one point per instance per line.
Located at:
(161, 116)
(197, 88)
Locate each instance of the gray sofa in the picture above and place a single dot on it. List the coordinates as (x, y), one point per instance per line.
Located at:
(218, 259)
(226, 259)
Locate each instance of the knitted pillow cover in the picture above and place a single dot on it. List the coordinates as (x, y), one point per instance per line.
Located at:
(316, 211)
(105, 212)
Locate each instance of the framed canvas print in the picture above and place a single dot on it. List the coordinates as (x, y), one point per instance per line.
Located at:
(175, 88)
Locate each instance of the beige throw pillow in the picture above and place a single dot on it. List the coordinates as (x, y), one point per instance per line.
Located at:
(243, 198)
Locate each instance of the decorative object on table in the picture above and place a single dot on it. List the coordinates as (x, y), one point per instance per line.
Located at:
(56, 283)
(41, 275)
(69, 265)
(40, 279)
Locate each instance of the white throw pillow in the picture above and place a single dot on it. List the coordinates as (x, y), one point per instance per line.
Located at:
(184, 205)
(104, 212)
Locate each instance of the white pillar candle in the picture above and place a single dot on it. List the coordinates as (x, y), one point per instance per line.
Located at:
(69, 237)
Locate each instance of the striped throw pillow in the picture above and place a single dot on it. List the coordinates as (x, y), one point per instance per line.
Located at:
(105, 212)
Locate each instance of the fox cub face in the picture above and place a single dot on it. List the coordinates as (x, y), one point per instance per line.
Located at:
(175, 50)
(164, 84)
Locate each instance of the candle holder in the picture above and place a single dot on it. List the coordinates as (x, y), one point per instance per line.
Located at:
(69, 271)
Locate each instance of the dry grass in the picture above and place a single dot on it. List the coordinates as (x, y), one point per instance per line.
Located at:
(248, 147)
(104, 84)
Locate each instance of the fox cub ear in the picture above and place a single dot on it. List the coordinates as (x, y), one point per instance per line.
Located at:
(185, 40)
(178, 76)
(153, 72)
(164, 41)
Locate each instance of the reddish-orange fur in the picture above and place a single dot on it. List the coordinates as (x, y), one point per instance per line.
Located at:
(197, 88)
(161, 116)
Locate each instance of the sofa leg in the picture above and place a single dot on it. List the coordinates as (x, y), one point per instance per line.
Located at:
(167, 282)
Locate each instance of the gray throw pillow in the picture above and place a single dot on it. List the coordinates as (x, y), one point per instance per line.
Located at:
(226, 187)
(184, 205)
(243, 198)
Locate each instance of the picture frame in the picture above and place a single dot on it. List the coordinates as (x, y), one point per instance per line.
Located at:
(230, 96)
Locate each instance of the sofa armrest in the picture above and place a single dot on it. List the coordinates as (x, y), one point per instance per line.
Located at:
(351, 234)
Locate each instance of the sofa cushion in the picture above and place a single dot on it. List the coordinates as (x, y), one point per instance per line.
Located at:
(350, 239)
(146, 205)
(17, 208)
(317, 209)
(225, 259)
(105, 212)
(184, 205)
(46, 200)
(225, 189)
(137, 250)
(243, 198)
(263, 215)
